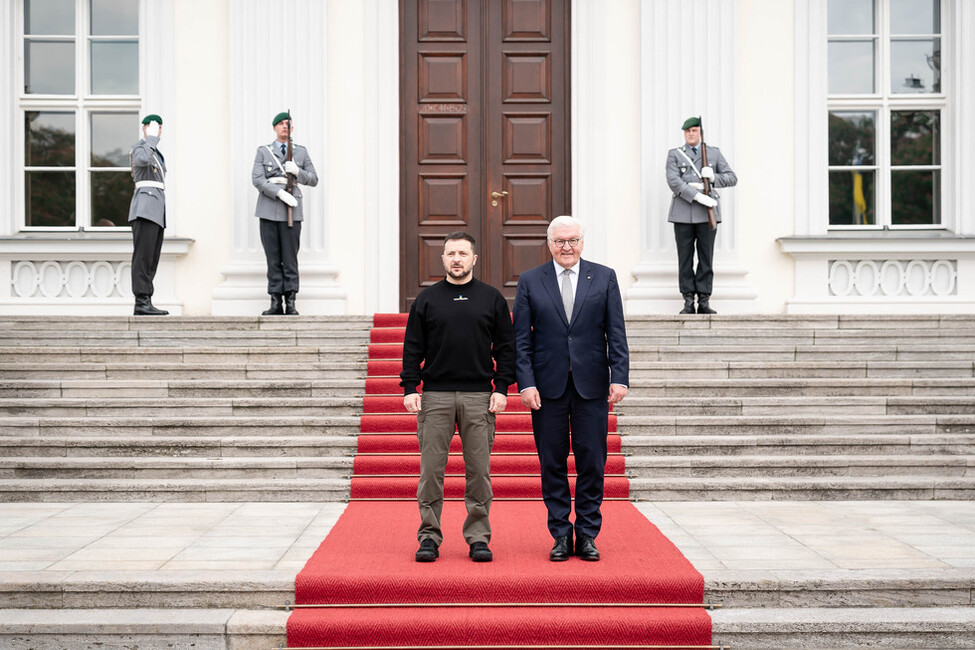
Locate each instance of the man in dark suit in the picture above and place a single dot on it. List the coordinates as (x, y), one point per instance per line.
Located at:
(571, 356)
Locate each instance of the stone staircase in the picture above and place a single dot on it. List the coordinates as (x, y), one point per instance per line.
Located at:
(211, 409)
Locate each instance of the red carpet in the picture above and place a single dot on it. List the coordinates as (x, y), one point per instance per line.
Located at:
(376, 595)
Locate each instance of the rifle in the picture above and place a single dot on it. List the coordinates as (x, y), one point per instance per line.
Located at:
(289, 188)
(712, 222)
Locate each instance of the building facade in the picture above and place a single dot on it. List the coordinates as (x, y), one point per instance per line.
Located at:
(848, 122)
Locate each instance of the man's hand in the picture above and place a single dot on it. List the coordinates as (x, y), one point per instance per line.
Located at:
(708, 173)
(287, 198)
(531, 398)
(498, 403)
(616, 393)
(705, 200)
(291, 167)
(412, 402)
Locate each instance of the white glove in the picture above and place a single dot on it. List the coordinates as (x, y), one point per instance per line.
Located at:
(287, 198)
(291, 168)
(705, 200)
(708, 173)
(697, 186)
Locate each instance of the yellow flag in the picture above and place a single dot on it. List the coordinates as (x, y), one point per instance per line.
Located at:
(859, 202)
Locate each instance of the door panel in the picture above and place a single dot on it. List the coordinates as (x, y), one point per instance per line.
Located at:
(485, 95)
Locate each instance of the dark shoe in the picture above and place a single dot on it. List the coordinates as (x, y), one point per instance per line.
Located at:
(562, 549)
(428, 551)
(289, 304)
(143, 307)
(688, 304)
(586, 548)
(480, 552)
(702, 305)
(275, 309)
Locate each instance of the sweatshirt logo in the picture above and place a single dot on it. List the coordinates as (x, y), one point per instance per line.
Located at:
(460, 297)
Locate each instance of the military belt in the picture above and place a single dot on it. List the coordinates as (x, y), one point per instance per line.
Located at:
(155, 184)
(280, 180)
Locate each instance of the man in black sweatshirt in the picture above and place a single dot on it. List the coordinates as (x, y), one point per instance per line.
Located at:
(460, 329)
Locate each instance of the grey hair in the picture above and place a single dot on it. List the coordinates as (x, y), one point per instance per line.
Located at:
(565, 221)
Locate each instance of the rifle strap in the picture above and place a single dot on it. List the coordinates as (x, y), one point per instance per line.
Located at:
(274, 158)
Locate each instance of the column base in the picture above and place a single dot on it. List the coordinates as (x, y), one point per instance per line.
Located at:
(244, 290)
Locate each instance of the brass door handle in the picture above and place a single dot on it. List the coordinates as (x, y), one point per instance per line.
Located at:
(497, 195)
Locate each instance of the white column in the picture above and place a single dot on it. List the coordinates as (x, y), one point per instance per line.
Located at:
(689, 62)
(275, 65)
(8, 126)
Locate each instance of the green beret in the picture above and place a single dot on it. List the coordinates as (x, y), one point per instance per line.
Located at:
(152, 118)
(280, 117)
(690, 122)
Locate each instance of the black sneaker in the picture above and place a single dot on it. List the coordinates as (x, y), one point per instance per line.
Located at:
(428, 551)
(480, 552)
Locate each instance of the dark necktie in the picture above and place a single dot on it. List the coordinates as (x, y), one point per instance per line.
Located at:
(283, 151)
(694, 149)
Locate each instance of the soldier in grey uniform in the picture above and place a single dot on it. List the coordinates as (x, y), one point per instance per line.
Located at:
(689, 213)
(279, 240)
(147, 214)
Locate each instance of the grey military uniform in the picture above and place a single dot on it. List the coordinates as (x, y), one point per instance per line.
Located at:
(268, 177)
(680, 173)
(149, 174)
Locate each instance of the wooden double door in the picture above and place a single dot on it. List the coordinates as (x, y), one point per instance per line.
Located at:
(484, 134)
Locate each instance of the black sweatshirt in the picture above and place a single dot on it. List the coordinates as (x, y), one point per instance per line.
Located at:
(455, 330)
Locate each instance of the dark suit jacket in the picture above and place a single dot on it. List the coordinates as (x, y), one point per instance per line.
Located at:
(594, 345)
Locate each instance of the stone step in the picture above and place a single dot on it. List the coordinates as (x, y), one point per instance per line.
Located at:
(649, 370)
(194, 323)
(783, 353)
(877, 466)
(200, 407)
(801, 337)
(823, 387)
(790, 445)
(844, 405)
(838, 488)
(174, 490)
(284, 357)
(162, 388)
(187, 338)
(919, 426)
(176, 468)
(347, 371)
(275, 446)
(179, 426)
(831, 628)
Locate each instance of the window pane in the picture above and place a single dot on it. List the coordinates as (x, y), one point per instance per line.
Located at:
(915, 66)
(851, 67)
(852, 137)
(115, 68)
(50, 198)
(49, 17)
(850, 17)
(49, 67)
(915, 138)
(851, 199)
(112, 135)
(915, 16)
(915, 197)
(49, 138)
(111, 193)
(114, 17)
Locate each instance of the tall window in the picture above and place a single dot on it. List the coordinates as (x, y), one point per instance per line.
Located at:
(885, 110)
(80, 105)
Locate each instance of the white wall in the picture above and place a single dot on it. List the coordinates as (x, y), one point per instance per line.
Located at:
(199, 139)
(765, 156)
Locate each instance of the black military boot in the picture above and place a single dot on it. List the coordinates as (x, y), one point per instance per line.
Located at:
(289, 304)
(702, 304)
(143, 307)
(688, 304)
(275, 309)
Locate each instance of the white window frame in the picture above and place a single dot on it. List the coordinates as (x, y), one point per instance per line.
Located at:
(882, 102)
(82, 103)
